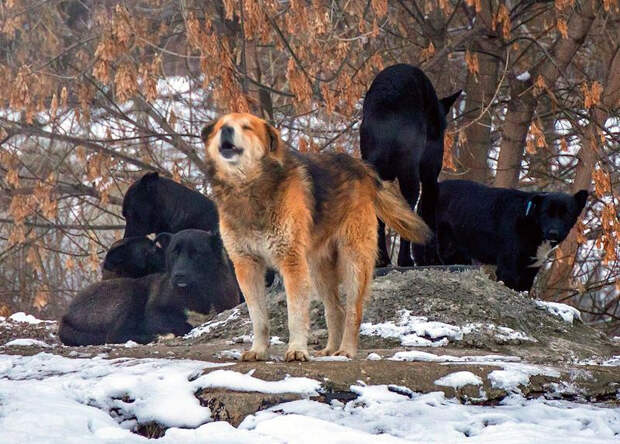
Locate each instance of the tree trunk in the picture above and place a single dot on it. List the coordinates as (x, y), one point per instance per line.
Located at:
(523, 98)
(480, 90)
(560, 272)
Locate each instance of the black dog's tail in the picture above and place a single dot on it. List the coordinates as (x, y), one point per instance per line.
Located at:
(69, 335)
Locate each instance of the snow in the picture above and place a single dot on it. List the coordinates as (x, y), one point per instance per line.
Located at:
(459, 379)
(515, 374)
(418, 331)
(53, 399)
(414, 331)
(23, 317)
(374, 357)
(566, 312)
(433, 418)
(524, 76)
(27, 342)
(247, 383)
(211, 325)
(415, 355)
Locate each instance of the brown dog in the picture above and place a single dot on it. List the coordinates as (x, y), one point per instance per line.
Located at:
(312, 217)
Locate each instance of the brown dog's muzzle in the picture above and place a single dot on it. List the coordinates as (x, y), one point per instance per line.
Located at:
(228, 149)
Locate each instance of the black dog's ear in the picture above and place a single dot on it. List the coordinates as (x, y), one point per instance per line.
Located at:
(163, 240)
(274, 137)
(149, 178)
(447, 102)
(115, 256)
(580, 199)
(207, 130)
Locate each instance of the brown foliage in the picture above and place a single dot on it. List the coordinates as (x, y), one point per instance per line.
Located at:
(102, 91)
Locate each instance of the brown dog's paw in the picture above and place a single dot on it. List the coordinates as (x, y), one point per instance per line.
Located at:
(348, 353)
(324, 352)
(253, 355)
(296, 355)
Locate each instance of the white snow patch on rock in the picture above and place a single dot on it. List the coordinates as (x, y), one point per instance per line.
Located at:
(524, 76)
(566, 312)
(27, 342)
(374, 357)
(26, 318)
(459, 379)
(231, 380)
(379, 414)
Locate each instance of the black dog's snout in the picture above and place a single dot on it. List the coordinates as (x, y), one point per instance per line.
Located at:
(179, 279)
(554, 235)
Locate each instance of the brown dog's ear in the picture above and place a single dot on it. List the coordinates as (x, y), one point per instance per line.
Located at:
(207, 130)
(274, 137)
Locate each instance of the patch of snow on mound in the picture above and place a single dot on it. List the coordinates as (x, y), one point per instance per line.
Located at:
(414, 331)
(515, 374)
(566, 312)
(459, 379)
(211, 325)
(26, 342)
(418, 331)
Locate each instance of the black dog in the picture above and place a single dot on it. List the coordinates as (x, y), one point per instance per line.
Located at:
(133, 257)
(402, 137)
(155, 204)
(505, 227)
(197, 277)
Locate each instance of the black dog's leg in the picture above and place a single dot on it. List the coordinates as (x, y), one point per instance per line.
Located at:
(410, 188)
(508, 271)
(383, 257)
(164, 320)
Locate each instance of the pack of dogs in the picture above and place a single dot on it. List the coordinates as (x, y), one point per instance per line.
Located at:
(318, 219)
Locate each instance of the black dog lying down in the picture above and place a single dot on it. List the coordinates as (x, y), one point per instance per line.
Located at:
(133, 257)
(197, 276)
(505, 227)
(155, 204)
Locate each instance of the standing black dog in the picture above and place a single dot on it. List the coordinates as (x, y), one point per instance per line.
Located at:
(402, 137)
(155, 204)
(197, 276)
(133, 257)
(505, 227)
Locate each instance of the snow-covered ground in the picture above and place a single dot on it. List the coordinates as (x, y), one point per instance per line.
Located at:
(53, 399)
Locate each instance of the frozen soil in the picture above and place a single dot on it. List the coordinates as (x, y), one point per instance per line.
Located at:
(496, 328)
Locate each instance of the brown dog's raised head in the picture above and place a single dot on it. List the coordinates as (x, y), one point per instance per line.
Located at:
(237, 142)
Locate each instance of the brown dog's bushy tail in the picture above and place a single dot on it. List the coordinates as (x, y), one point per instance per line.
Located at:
(392, 209)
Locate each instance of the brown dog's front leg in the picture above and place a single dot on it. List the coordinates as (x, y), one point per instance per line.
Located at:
(296, 276)
(250, 274)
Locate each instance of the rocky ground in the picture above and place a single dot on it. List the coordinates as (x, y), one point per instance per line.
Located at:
(419, 327)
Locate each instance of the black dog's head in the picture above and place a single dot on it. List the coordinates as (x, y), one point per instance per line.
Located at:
(133, 257)
(199, 270)
(556, 213)
(139, 207)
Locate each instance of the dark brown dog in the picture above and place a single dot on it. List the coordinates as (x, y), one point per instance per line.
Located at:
(312, 217)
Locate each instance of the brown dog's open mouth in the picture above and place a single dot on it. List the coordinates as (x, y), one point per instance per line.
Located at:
(228, 150)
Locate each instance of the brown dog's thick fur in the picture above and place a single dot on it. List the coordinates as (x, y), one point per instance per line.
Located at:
(312, 217)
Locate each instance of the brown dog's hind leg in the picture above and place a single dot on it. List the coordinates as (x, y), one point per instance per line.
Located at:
(356, 259)
(325, 278)
(296, 276)
(251, 277)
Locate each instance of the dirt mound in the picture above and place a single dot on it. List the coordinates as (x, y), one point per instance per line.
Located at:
(423, 331)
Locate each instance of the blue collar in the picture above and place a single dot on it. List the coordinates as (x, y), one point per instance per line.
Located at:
(529, 207)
